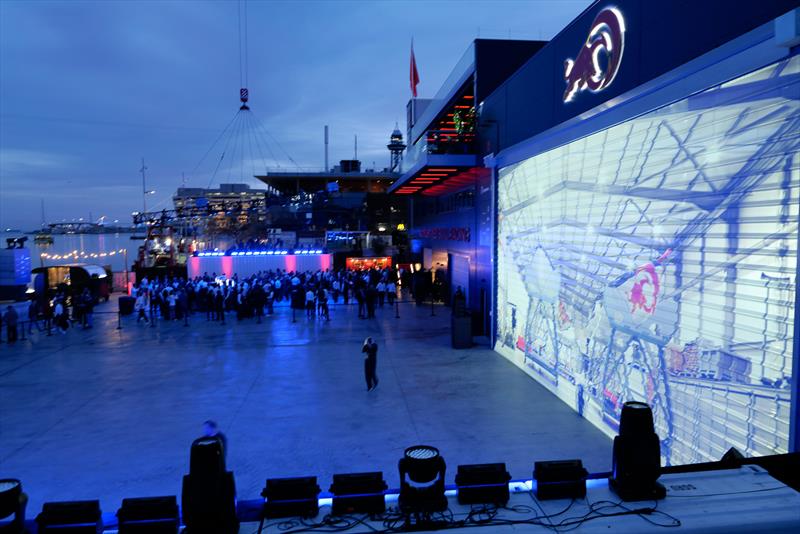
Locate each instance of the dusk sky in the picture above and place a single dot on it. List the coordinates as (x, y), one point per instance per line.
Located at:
(89, 88)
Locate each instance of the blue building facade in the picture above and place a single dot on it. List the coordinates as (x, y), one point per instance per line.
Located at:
(638, 187)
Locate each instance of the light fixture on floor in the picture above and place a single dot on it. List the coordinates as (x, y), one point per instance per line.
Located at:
(422, 471)
(12, 502)
(290, 497)
(483, 484)
(149, 515)
(208, 498)
(560, 479)
(358, 493)
(70, 517)
(636, 463)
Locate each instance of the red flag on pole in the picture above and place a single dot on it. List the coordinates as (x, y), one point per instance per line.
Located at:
(414, 75)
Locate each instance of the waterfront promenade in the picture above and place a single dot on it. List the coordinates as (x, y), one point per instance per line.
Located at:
(109, 414)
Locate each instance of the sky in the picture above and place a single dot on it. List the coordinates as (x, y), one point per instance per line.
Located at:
(89, 88)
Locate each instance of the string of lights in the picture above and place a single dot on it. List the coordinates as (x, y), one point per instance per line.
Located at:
(81, 255)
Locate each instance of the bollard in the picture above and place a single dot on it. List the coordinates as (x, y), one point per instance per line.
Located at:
(119, 319)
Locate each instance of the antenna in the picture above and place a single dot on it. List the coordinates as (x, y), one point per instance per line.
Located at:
(326, 149)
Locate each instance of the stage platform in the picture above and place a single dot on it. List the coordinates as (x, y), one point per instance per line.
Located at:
(108, 414)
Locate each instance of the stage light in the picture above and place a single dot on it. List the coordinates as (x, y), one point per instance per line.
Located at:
(149, 515)
(358, 493)
(270, 252)
(636, 463)
(208, 499)
(483, 484)
(12, 502)
(290, 497)
(422, 471)
(73, 517)
(560, 479)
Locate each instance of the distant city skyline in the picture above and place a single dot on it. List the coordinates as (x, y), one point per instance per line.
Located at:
(89, 88)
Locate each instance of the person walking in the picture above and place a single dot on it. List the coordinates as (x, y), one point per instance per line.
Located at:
(370, 351)
(33, 316)
(10, 318)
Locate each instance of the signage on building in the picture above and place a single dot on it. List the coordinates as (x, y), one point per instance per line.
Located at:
(446, 234)
(597, 62)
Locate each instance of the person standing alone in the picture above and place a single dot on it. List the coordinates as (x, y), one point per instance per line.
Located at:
(370, 350)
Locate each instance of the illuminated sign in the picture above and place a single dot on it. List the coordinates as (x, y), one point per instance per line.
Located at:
(446, 234)
(606, 41)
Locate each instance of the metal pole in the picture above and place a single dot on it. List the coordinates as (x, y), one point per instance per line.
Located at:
(144, 188)
(125, 251)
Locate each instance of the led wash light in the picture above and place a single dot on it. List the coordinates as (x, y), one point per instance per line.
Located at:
(422, 471)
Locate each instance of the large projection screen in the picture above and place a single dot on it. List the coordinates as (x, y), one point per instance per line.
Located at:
(657, 261)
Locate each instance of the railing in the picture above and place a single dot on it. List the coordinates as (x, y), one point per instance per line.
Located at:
(439, 142)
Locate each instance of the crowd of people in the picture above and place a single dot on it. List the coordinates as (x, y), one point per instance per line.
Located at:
(219, 298)
(256, 296)
(50, 314)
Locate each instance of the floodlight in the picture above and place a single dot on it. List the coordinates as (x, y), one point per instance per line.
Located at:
(422, 471)
(560, 479)
(483, 484)
(358, 493)
(149, 515)
(71, 517)
(289, 497)
(636, 463)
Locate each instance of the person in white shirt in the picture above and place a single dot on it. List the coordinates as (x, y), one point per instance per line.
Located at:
(381, 288)
(310, 305)
(391, 292)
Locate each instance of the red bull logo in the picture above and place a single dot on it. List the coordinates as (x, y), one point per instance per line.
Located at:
(644, 292)
(606, 41)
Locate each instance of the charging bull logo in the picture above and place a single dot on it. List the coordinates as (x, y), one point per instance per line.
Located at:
(644, 292)
(606, 40)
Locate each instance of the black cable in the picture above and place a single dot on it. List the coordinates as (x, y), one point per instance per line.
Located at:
(235, 136)
(222, 156)
(239, 28)
(246, 67)
(214, 144)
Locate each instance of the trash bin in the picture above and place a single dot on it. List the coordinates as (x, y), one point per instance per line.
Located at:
(461, 332)
(126, 305)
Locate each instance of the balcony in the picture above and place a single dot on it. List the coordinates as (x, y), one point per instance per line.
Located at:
(440, 157)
